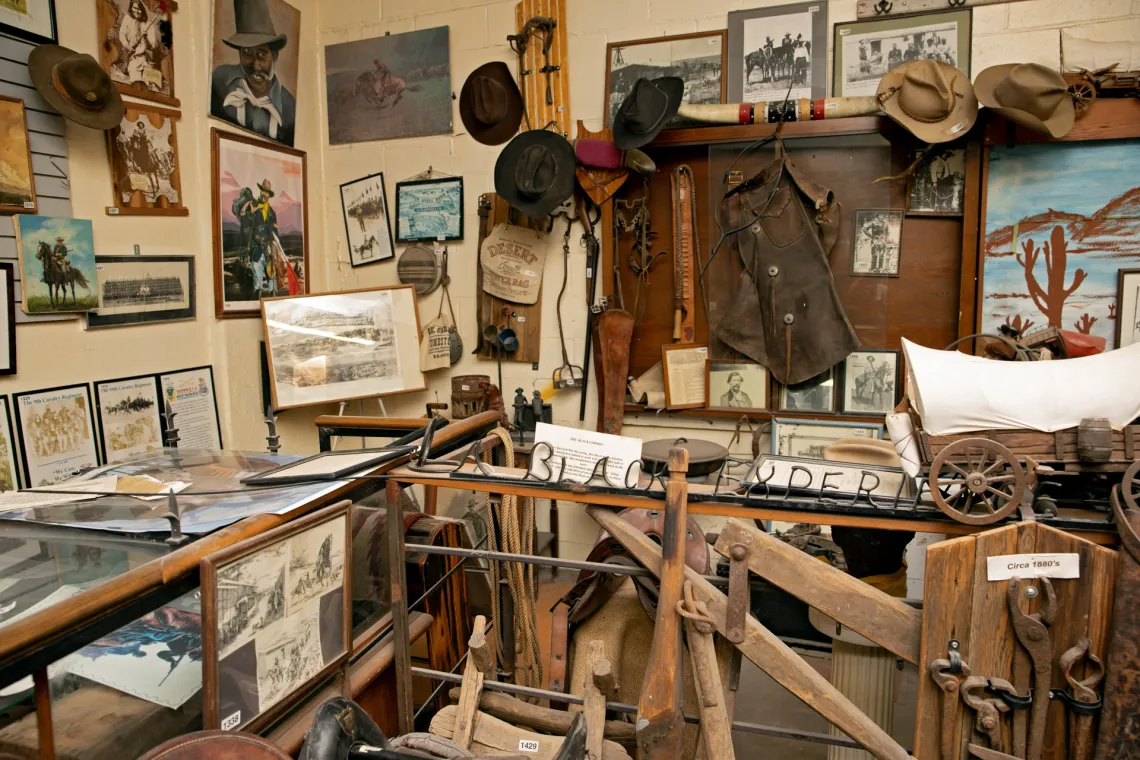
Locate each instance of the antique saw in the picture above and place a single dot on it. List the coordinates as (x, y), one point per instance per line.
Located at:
(684, 253)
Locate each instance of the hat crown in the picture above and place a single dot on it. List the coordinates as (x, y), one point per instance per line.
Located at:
(252, 17)
(82, 80)
(488, 99)
(535, 171)
(1032, 88)
(926, 94)
(642, 109)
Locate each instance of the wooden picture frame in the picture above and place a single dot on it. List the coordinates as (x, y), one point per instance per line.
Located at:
(15, 115)
(719, 374)
(8, 314)
(775, 21)
(136, 76)
(450, 223)
(137, 416)
(37, 26)
(826, 380)
(136, 274)
(9, 464)
(229, 654)
(1127, 307)
(354, 197)
(848, 402)
(865, 260)
(131, 149)
(828, 431)
(54, 466)
(684, 366)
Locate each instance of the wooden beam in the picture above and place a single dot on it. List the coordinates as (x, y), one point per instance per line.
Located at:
(716, 725)
(594, 706)
(542, 719)
(467, 713)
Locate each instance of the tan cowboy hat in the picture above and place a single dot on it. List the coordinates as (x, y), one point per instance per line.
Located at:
(76, 86)
(863, 451)
(266, 187)
(1030, 94)
(933, 101)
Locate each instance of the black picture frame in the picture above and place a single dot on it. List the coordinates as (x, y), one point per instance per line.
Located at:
(97, 321)
(38, 39)
(24, 465)
(847, 380)
(820, 381)
(280, 476)
(1121, 301)
(387, 219)
(8, 287)
(98, 409)
(818, 54)
(209, 368)
(13, 443)
(401, 209)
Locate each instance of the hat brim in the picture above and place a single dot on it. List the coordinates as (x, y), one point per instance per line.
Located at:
(261, 187)
(957, 124)
(564, 172)
(242, 40)
(674, 89)
(1058, 125)
(42, 61)
(503, 129)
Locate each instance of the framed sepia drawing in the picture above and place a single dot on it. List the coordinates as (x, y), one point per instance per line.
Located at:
(260, 216)
(8, 316)
(736, 387)
(9, 468)
(56, 429)
(145, 176)
(367, 225)
(809, 438)
(276, 618)
(30, 20)
(429, 209)
(17, 182)
(699, 59)
(343, 346)
(938, 186)
(1127, 307)
(137, 48)
(136, 290)
(870, 382)
(57, 264)
(777, 52)
(129, 418)
(684, 368)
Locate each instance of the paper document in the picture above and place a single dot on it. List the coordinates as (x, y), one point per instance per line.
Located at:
(577, 452)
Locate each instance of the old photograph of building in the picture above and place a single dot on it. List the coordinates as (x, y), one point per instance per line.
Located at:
(698, 59)
(868, 49)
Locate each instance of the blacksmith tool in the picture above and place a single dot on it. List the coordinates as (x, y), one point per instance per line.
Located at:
(987, 720)
(1081, 701)
(949, 673)
(1033, 632)
(987, 754)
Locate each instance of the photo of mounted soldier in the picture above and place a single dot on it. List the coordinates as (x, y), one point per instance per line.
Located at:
(144, 162)
(57, 264)
(777, 52)
(697, 59)
(366, 223)
(137, 52)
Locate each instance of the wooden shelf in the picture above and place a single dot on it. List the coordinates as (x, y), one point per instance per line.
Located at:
(1109, 119)
(673, 138)
(764, 416)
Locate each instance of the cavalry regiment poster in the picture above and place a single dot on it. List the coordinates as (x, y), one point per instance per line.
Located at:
(57, 433)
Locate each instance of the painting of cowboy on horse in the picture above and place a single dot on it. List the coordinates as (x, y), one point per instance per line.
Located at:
(57, 264)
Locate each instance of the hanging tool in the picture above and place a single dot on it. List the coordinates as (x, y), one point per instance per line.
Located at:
(1033, 633)
(987, 721)
(716, 727)
(544, 30)
(593, 251)
(684, 251)
(1081, 701)
(949, 673)
(568, 375)
(613, 335)
(633, 216)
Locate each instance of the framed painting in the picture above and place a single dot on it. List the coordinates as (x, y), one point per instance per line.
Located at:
(137, 290)
(736, 387)
(18, 183)
(145, 176)
(138, 51)
(9, 467)
(777, 53)
(699, 59)
(870, 382)
(57, 433)
(30, 20)
(878, 242)
(8, 316)
(1128, 307)
(57, 264)
(807, 439)
(429, 209)
(938, 186)
(815, 395)
(261, 227)
(276, 618)
(367, 226)
(190, 393)
(129, 418)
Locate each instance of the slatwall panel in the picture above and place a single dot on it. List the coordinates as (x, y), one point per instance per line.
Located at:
(49, 157)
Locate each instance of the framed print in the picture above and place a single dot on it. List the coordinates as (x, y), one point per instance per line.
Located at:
(843, 479)
(191, 395)
(261, 227)
(329, 465)
(57, 433)
(878, 240)
(865, 50)
(31, 20)
(736, 386)
(8, 315)
(808, 438)
(1127, 307)
(699, 59)
(343, 346)
(137, 52)
(136, 290)
(9, 469)
(276, 618)
(18, 183)
(938, 186)
(870, 382)
(57, 264)
(777, 52)
(367, 226)
(814, 395)
(684, 368)
(145, 177)
(129, 415)
(429, 209)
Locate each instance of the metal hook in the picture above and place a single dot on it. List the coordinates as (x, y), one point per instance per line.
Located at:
(885, 7)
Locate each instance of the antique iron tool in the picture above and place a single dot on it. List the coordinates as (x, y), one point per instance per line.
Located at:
(949, 673)
(1032, 631)
(987, 721)
(1081, 701)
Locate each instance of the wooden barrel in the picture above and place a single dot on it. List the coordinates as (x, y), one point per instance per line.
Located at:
(467, 395)
(1094, 440)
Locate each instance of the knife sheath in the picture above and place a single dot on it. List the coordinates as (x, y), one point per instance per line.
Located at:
(684, 247)
(613, 333)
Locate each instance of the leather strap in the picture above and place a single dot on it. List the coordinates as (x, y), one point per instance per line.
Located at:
(559, 653)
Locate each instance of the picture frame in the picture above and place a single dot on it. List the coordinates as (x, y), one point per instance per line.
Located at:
(56, 430)
(9, 465)
(245, 163)
(14, 126)
(326, 466)
(685, 371)
(129, 415)
(938, 186)
(756, 72)
(139, 290)
(305, 370)
(192, 396)
(146, 178)
(808, 438)
(1127, 307)
(134, 32)
(365, 200)
(73, 288)
(859, 59)
(843, 479)
(444, 195)
(876, 242)
(8, 352)
(36, 24)
(752, 386)
(814, 396)
(871, 381)
(256, 666)
(677, 55)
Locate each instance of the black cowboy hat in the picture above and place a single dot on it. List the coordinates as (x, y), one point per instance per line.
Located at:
(646, 110)
(254, 26)
(76, 86)
(490, 104)
(535, 172)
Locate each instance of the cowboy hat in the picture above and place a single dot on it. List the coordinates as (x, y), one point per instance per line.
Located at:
(649, 106)
(1030, 94)
(931, 100)
(490, 104)
(76, 86)
(266, 187)
(254, 26)
(535, 172)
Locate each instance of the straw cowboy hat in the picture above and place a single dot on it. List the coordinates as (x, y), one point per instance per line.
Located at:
(535, 172)
(76, 86)
(490, 104)
(1030, 94)
(933, 101)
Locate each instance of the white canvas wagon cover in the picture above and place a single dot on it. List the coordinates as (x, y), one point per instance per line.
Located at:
(958, 393)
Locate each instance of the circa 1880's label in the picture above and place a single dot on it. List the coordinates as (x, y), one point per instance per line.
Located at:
(1007, 566)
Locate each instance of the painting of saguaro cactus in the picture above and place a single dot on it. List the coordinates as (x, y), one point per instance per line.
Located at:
(1051, 298)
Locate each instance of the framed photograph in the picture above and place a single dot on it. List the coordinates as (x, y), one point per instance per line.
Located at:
(807, 439)
(700, 59)
(137, 290)
(329, 465)
(343, 346)
(8, 315)
(1127, 307)
(843, 479)
(18, 185)
(736, 386)
(870, 382)
(364, 202)
(31, 20)
(9, 468)
(777, 52)
(397, 85)
(865, 50)
(137, 51)
(258, 94)
(684, 367)
(129, 415)
(145, 177)
(938, 186)
(276, 618)
(57, 433)
(192, 397)
(878, 240)
(261, 223)
(57, 264)
(429, 209)
(814, 395)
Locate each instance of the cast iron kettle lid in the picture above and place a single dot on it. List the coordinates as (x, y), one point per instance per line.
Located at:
(704, 456)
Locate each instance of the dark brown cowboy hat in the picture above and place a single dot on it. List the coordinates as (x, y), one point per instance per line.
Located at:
(1030, 94)
(254, 26)
(76, 86)
(490, 104)
(650, 105)
(535, 172)
(934, 101)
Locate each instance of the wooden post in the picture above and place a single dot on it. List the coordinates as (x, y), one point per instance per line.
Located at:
(716, 733)
(42, 688)
(398, 585)
(594, 697)
(479, 664)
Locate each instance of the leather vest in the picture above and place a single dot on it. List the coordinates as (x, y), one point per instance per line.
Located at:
(785, 312)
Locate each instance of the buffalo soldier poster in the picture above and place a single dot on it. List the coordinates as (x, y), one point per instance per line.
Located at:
(57, 433)
(57, 264)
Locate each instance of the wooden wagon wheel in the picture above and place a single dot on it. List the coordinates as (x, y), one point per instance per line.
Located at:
(1130, 485)
(976, 481)
(1083, 94)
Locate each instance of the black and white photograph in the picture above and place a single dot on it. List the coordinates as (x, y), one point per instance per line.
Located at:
(698, 59)
(251, 596)
(129, 417)
(316, 563)
(136, 290)
(870, 382)
(288, 655)
(866, 50)
(1128, 307)
(777, 52)
(364, 202)
(809, 438)
(878, 240)
(429, 209)
(814, 395)
(737, 386)
(56, 428)
(938, 186)
(136, 51)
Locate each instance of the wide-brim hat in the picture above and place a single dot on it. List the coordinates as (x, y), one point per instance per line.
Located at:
(266, 187)
(933, 101)
(650, 105)
(1029, 94)
(535, 172)
(490, 104)
(254, 26)
(76, 86)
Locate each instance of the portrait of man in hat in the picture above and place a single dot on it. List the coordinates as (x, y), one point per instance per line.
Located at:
(259, 228)
(255, 72)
